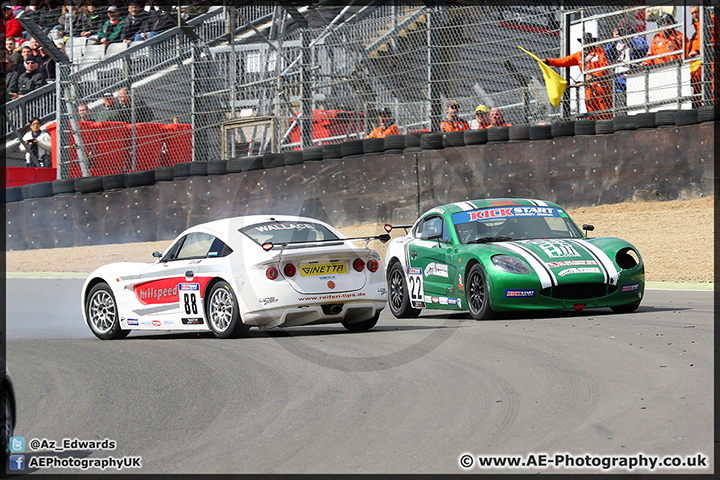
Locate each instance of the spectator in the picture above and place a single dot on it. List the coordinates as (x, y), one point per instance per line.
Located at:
(142, 111)
(45, 65)
(133, 22)
(11, 78)
(453, 123)
(12, 26)
(84, 113)
(34, 46)
(31, 79)
(622, 52)
(666, 41)
(110, 109)
(157, 22)
(497, 119)
(63, 24)
(40, 145)
(189, 12)
(386, 125)
(91, 21)
(12, 52)
(598, 93)
(481, 119)
(693, 50)
(111, 30)
(19, 67)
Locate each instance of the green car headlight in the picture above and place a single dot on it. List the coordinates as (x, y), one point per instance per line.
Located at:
(511, 264)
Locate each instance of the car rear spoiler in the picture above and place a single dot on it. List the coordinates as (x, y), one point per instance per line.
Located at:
(384, 238)
(389, 228)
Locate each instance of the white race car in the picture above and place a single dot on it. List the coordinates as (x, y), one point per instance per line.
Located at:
(228, 275)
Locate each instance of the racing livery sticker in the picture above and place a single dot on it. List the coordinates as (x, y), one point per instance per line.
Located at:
(520, 293)
(156, 323)
(452, 301)
(558, 249)
(190, 298)
(165, 291)
(415, 286)
(569, 271)
(461, 286)
(437, 269)
(630, 288)
(506, 212)
(571, 263)
(192, 321)
(132, 321)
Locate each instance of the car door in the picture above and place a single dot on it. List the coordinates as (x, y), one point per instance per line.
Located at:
(170, 291)
(429, 252)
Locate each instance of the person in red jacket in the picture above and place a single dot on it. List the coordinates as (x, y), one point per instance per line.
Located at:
(497, 119)
(667, 41)
(386, 127)
(693, 50)
(453, 123)
(598, 91)
(12, 26)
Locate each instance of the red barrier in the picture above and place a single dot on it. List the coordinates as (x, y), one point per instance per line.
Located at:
(149, 139)
(178, 138)
(19, 176)
(111, 151)
(331, 123)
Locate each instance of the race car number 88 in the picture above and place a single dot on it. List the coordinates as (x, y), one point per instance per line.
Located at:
(190, 301)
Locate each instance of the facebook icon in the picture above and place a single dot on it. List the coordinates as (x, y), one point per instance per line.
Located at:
(17, 462)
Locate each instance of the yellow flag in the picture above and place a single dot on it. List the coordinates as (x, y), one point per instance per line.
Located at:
(554, 83)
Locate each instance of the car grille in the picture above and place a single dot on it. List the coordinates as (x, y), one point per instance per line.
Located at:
(578, 291)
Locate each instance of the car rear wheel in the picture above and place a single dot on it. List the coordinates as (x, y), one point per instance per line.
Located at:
(625, 308)
(102, 313)
(7, 422)
(224, 313)
(363, 326)
(399, 299)
(478, 294)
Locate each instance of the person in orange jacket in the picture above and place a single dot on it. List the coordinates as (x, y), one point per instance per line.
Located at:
(667, 41)
(453, 123)
(497, 119)
(693, 50)
(598, 91)
(386, 127)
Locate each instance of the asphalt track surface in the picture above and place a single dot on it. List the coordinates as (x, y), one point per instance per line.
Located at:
(410, 396)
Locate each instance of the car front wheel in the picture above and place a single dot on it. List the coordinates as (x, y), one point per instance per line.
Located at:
(398, 299)
(224, 313)
(102, 313)
(478, 294)
(7, 422)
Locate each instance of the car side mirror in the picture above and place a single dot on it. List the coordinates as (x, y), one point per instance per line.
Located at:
(157, 254)
(588, 228)
(435, 236)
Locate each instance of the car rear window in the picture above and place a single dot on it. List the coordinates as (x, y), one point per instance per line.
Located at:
(287, 232)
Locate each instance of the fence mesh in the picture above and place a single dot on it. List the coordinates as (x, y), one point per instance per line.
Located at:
(205, 97)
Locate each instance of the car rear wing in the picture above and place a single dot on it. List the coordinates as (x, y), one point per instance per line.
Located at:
(389, 228)
(384, 238)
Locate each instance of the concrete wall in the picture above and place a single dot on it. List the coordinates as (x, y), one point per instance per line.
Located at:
(659, 164)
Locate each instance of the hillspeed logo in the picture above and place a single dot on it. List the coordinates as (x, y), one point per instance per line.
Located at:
(630, 288)
(519, 293)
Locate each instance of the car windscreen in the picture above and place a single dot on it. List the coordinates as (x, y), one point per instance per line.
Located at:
(515, 223)
(287, 232)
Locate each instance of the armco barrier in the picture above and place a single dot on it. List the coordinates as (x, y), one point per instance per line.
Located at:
(664, 163)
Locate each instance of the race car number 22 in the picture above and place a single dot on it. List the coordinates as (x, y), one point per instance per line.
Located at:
(415, 286)
(189, 293)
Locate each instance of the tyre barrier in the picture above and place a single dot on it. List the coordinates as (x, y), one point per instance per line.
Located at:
(412, 142)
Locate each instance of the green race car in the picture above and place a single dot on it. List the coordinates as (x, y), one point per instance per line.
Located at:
(508, 254)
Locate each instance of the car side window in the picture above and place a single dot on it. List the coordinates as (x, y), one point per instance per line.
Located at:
(433, 225)
(197, 245)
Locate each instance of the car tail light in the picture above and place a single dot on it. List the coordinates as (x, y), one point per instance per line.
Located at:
(358, 264)
(272, 273)
(289, 270)
(373, 265)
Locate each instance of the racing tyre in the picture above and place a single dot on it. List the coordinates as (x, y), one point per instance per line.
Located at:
(412, 140)
(351, 147)
(248, 164)
(331, 150)
(7, 422)
(373, 145)
(604, 126)
(14, 194)
(518, 133)
(223, 313)
(431, 141)
(102, 314)
(40, 190)
(63, 185)
(623, 122)
(540, 132)
(141, 178)
(270, 160)
(198, 169)
(217, 167)
(164, 174)
(475, 137)
(293, 157)
(686, 117)
(584, 127)
(562, 129)
(478, 294)
(498, 134)
(665, 117)
(393, 142)
(363, 326)
(111, 182)
(625, 308)
(181, 170)
(90, 184)
(644, 120)
(399, 300)
(312, 153)
(706, 113)
(454, 139)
